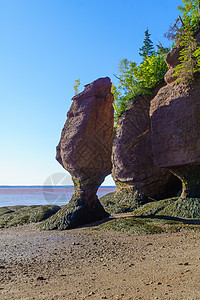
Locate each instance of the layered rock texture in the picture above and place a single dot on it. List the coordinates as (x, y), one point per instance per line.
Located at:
(175, 123)
(137, 179)
(85, 151)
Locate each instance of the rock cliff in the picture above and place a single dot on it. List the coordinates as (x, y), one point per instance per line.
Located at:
(85, 151)
(137, 179)
(175, 126)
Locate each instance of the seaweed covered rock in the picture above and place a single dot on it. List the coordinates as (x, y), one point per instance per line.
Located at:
(85, 151)
(175, 133)
(171, 208)
(119, 203)
(19, 215)
(136, 177)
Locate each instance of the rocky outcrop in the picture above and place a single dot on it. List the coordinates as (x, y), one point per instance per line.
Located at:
(85, 151)
(137, 179)
(175, 126)
(21, 214)
(172, 60)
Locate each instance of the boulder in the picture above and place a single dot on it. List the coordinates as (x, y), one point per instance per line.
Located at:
(137, 179)
(84, 151)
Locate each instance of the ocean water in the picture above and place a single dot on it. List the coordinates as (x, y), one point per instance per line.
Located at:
(10, 196)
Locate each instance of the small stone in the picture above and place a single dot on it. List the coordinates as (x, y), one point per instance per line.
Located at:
(130, 265)
(41, 278)
(2, 267)
(91, 293)
(187, 271)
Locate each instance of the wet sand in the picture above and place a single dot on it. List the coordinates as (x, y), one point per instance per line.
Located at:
(89, 264)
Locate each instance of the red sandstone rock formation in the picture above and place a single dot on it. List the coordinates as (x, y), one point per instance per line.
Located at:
(134, 172)
(85, 151)
(175, 123)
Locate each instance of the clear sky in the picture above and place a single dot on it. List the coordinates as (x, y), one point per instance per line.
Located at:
(45, 46)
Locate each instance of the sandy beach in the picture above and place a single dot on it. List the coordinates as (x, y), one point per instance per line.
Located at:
(89, 264)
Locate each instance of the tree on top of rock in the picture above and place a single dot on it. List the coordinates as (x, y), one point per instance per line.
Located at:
(147, 48)
(190, 54)
(190, 13)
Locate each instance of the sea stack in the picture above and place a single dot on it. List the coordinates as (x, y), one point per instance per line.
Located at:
(85, 151)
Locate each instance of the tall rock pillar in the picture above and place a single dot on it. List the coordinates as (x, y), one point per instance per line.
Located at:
(84, 151)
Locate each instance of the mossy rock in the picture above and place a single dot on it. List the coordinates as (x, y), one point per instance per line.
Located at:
(138, 225)
(19, 215)
(153, 208)
(131, 225)
(183, 208)
(9, 209)
(76, 213)
(174, 207)
(121, 201)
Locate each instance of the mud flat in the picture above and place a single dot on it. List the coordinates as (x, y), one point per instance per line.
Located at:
(87, 263)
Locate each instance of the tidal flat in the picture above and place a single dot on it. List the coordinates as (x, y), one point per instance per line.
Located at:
(96, 263)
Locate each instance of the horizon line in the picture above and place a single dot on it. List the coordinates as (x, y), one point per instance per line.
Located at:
(11, 186)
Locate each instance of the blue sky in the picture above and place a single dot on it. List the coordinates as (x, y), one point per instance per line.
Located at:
(45, 46)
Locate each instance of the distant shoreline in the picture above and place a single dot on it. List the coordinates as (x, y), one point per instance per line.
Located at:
(45, 186)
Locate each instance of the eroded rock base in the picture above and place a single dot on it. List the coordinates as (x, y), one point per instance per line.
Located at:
(190, 177)
(125, 199)
(77, 212)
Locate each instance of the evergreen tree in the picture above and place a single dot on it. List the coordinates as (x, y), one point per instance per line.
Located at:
(147, 48)
(188, 62)
(190, 54)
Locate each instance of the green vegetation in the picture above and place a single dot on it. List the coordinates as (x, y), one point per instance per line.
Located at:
(173, 207)
(136, 225)
(189, 57)
(147, 48)
(169, 215)
(120, 202)
(190, 13)
(76, 86)
(183, 208)
(131, 225)
(139, 80)
(153, 208)
(190, 54)
(125, 199)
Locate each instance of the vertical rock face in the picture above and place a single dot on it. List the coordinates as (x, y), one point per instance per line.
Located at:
(86, 140)
(85, 151)
(134, 171)
(175, 122)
